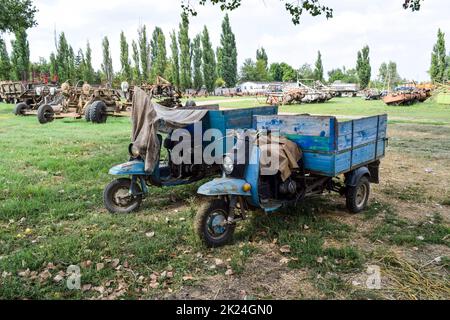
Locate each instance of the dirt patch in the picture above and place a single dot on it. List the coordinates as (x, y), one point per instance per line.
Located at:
(265, 276)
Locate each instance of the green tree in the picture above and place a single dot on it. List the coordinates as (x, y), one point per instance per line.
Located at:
(306, 72)
(16, 15)
(80, 65)
(40, 68)
(363, 67)
(262, 62)
(158, 54)
(248, 71)
(275, 72)
(289, 73)
(439, 62)
(197, 62)
(53, 67)
(126, 74)
(64, 55)
(388, 75)
(335, 75)
(20, 56)
(88, 72)
(5, 63)
(137, 63)
(318, 71)
(209, 61)
(174, 60)
(295, 8)
(227, 54)
(107, 65)
(185, 54)
(144, 48)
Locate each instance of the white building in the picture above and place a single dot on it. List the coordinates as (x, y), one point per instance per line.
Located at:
(253, 87)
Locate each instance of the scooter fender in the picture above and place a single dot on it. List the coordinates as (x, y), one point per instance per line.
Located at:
(223, 187)
(132, 168)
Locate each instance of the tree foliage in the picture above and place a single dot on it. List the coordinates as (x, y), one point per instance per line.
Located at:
(174, 60)
(227, 54)
(144, 50)
(439, 61)
(20, 56)
(388, 75)
(89, 73)
(363, 67)
(158, 53)
(209, 61)
(197, 62)
(136, 62)
(16, 15)
(5, 63)
(107, 65)
(185, 53)
(126, 73)
(344, 75)
(318, 71)
(295, 8)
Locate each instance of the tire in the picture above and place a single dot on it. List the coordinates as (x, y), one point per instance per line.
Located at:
(358, 197)
(87, 114)
(205, 219)
(20, 108)
(45, 114)
(97, 112)
(111, 201)
(190, 104)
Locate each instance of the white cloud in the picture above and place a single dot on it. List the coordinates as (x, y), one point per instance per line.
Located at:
(391, 32)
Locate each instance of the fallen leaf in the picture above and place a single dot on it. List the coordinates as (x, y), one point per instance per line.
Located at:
(285, 249)
(28, 231)
(44, 275)
(218, 262)
(229, 272)
(58, 278)
(115, 263)
(420, 238)
(320, 260)
(154, 285)
(188, 277)
(284, 261)
(100, 266)
(86, 287)
(24, 274)
(150, 234)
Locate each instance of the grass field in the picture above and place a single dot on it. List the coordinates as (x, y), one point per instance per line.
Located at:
(51, 217)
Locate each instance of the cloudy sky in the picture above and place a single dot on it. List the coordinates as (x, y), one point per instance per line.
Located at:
(391, 32)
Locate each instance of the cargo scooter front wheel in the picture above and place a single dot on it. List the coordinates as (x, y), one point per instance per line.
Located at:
(117, 197)
(211, 224)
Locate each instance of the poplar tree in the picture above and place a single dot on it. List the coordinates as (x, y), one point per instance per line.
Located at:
(227, 54)
(158, 54)
(363, 67)
(318, 71)
(136, 61)
(185, 54)
(174, 60)
(197, 62)
(125, 74)
(107, 67)
(209, 62)
(89, 73)
(144, 48)
(20, 56)
(5, 64)
(439, 61)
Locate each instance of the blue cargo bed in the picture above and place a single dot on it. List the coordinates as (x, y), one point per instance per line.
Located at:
(330, 147)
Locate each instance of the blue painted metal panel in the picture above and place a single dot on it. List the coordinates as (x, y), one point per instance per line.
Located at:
(331, 148)
(224, 186)
(130, 168)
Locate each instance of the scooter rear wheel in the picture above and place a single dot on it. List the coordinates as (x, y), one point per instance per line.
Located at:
(117, 197)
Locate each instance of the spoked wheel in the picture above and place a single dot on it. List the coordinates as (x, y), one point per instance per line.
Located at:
(212, 224)
(358, 197)
(45, 114)
(117, 197)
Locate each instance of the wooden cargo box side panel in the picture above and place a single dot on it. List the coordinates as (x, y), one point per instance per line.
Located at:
(366, 144)
(314, 135)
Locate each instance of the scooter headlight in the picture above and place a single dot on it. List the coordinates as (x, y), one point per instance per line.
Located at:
(134, 151)
(228, 165)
